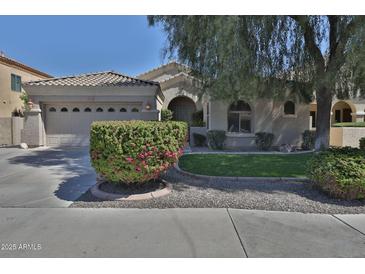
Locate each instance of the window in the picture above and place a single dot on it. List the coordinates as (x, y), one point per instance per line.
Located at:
(99, 110)
(289, 108)
(123, 110)
(313, 115)
(64, 109)
(87, 110)
(111, 110)
(135, 110)
(239, 117)
(52, 109)
(76, 110)
(16, 82)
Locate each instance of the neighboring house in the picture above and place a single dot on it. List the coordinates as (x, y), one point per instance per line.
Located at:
(65, 107)
(12, 73)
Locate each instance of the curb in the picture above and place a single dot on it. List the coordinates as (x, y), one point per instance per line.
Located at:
(242, 179)
(98, 193)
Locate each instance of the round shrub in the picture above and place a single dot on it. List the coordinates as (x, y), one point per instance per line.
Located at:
(135, 151)
(362, 143)
(166, 115)
(216, 139)
(264, 140)
(199, 139)
(340, 172)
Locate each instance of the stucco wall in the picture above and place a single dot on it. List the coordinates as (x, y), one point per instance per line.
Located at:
(5, 131)
(346, 136)
(289, 129)
(267, 116)
(9, 100)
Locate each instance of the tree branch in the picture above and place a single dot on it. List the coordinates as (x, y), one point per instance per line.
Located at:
(310, 42)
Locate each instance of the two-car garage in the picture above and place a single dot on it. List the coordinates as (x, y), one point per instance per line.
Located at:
(65, 107)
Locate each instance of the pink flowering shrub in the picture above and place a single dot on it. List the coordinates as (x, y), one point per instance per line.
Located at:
(135, 151)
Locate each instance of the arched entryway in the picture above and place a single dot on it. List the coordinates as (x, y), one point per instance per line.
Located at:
(342, 112)
(182, 108)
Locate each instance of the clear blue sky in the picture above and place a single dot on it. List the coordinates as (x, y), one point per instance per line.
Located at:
(65, 45)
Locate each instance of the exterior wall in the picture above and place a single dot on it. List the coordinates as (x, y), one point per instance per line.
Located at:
(5, 131)
(9, 100)
(267, 116)
(174, 92)
(288, 129)
(199, 130)
(346, 136)
(17, 127)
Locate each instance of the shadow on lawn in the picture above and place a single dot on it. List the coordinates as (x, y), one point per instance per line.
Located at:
(71, 166)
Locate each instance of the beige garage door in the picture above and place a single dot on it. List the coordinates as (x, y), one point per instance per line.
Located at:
(68, 124)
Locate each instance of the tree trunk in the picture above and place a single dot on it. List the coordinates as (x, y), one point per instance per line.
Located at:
(323, 122)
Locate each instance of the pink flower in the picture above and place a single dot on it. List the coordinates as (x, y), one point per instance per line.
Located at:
(129, 159)
(138, 169)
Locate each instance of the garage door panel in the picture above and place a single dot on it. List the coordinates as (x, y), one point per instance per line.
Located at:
(73, 128)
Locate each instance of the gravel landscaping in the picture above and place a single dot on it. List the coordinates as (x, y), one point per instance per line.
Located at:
(189, 192)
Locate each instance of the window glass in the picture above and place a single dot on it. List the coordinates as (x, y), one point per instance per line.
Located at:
(52, 109)
(233, 122)
(76, 110)
(99, 110)
(123, 110)
(245, 125)
(87, 109)
(111, 110)
(16, 83)
(64, 109)
(135, 110)
(289, 108)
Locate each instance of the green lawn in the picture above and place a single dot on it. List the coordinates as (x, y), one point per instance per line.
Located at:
(246, 165)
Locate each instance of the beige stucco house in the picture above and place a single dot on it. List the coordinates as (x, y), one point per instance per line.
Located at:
(64, 108)
(12, 74)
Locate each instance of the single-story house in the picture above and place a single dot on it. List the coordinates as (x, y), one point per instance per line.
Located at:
(63, 108)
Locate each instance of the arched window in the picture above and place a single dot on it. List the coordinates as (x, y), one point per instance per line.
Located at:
(123, 110)
(239, 117)
(64, 109)
(87, 109)
(52, 109)
(135, 110)
(99, 110)
(76, 110)
(289, 108)
(111, 109)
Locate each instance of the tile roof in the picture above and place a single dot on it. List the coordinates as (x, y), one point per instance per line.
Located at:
(97, 79)
(12, 62)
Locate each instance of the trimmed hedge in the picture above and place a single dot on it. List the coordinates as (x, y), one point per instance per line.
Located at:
(216, 139)
(199, 139)
(264, 140)
(135, 151)
(362, 143)
(349, 124)
(340, 172)
(166, 115)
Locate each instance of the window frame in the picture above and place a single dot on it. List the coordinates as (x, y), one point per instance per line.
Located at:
(242, 115)
(16, 82)
(290, 115)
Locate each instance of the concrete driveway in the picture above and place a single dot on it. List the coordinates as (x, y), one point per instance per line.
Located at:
(44, 177)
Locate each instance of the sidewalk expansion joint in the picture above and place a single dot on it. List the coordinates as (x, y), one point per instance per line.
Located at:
(347, 224)
(238, 235)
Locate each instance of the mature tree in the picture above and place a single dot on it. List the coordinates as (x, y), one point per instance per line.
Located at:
(233, 56)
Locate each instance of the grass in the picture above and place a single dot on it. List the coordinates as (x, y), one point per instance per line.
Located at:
(246, 165)
(350, 124)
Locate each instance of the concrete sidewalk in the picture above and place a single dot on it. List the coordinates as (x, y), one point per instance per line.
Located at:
(106, 232)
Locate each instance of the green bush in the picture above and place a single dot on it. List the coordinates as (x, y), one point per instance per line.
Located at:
(199, 139)
(197, 119)
(362, 143)
(216, 139)
(135, 151)
(264, 140)
(309, 138)
(166, 115)
(340, 172)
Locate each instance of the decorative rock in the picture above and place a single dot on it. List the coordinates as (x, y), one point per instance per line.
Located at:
(23, 146)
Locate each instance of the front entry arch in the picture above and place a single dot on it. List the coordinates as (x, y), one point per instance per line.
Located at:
(182, 108)
(342, 112)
